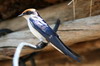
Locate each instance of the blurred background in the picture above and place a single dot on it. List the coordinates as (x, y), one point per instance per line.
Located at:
(68, 11)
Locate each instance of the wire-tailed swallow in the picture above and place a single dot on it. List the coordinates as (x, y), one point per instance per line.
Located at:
(43, 32)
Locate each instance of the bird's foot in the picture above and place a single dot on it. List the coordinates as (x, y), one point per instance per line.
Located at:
(41, 45)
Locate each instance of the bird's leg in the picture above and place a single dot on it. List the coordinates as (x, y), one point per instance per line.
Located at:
(41, 45)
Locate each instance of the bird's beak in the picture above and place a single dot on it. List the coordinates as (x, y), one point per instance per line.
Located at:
(21, 14)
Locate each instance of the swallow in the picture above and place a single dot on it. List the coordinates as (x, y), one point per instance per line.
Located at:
(45, 33)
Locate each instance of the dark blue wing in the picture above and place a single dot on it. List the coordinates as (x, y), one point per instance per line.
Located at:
(42, 28)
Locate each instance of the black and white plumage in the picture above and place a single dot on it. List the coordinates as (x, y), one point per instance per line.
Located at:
(44, 33)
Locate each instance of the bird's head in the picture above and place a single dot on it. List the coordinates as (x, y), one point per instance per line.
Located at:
(29, 12)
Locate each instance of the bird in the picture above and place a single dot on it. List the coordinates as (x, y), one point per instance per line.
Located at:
(41, 30)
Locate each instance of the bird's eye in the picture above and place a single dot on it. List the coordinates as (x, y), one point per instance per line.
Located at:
(29, 12)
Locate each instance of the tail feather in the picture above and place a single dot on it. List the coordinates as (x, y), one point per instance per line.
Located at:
(64, 49)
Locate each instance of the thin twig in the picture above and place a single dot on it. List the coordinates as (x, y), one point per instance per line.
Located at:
(91, 2)
(74, 10)
(70, 3)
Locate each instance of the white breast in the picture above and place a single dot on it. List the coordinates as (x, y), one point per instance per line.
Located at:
(35, 32)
